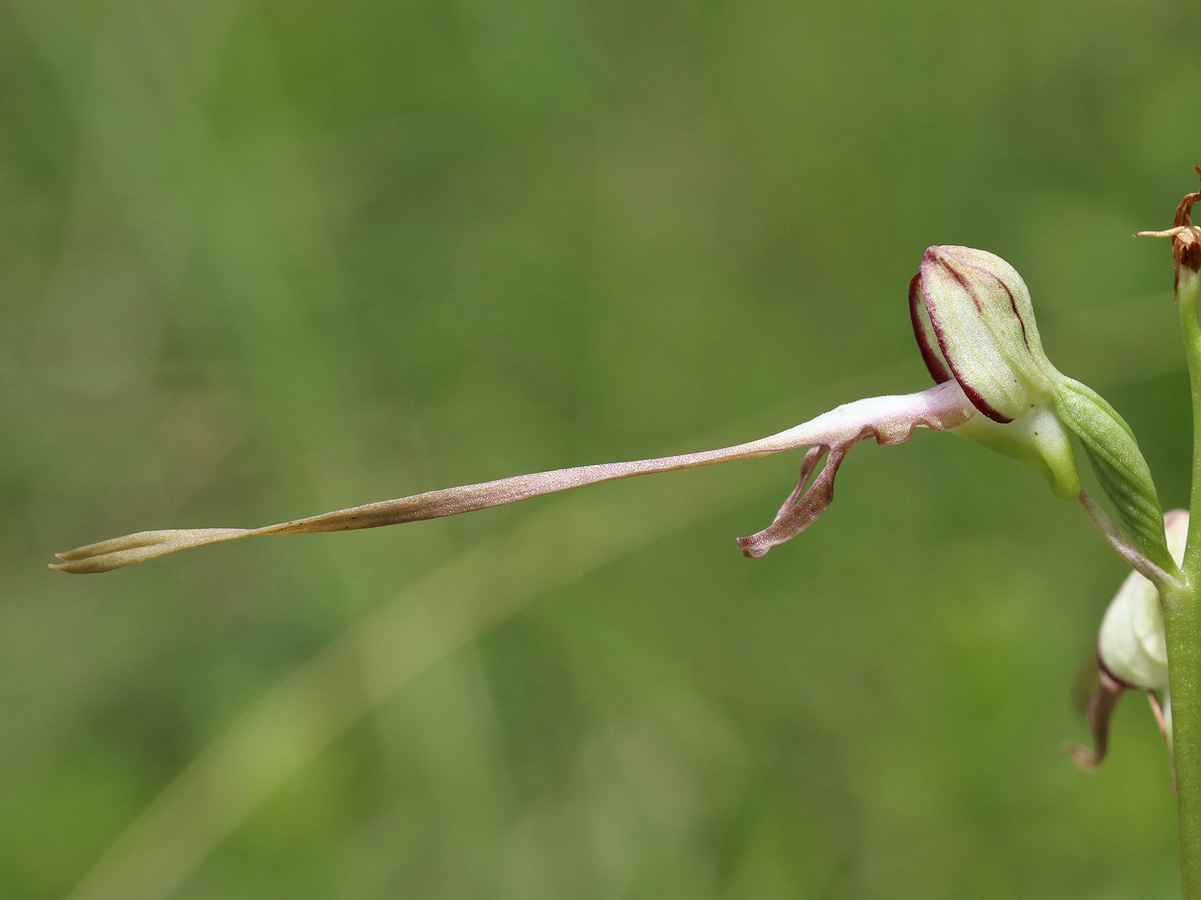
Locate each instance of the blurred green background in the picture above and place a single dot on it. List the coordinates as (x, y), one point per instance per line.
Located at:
(260, 260)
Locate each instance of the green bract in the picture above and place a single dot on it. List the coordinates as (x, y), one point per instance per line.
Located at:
(1120, 467)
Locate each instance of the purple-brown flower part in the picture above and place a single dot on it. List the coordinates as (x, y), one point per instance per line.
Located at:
(1101, 704)
(890, 420)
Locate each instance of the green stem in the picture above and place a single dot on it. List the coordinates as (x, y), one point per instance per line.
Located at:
(1182, 623)
(1186, 300)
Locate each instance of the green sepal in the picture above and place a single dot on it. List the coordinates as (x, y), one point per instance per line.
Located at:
(1121, 470)
(978, 307)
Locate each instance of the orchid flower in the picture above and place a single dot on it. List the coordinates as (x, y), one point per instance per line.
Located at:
(1132, 653)
(975, 327)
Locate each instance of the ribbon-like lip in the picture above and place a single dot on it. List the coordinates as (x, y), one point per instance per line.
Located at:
(890, 420)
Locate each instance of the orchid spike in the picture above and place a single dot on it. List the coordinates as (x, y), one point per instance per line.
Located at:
(1132, 653)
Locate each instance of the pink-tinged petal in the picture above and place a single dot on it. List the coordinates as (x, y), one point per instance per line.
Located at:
(801, 510)
(923, 330)
(890, 419)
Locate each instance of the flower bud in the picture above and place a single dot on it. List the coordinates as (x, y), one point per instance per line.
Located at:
(978, 309)
(974, 323)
